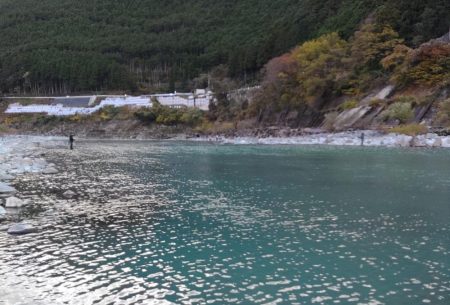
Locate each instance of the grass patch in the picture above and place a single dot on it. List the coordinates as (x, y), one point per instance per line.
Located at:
(410, 129)
(3, 128)
(215, 128)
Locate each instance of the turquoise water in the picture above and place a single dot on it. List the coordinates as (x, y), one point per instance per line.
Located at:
(186, 223)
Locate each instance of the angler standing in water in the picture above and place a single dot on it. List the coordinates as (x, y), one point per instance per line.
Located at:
(71, 139)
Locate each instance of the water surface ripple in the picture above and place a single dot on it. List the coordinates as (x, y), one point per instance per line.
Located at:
(183, 223)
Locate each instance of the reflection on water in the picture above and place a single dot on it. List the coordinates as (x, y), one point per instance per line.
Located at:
(180, 223)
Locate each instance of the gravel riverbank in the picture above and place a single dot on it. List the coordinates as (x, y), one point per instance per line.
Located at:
(21, 155)
(348, 138)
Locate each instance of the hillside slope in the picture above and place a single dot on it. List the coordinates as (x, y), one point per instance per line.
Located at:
(64, 46)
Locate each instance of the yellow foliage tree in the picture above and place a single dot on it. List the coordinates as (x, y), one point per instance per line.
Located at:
(428, 65)
(396, 58)
(321, 66)
(372, 43)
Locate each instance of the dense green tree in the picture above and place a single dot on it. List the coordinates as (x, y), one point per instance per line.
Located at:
(62, 46)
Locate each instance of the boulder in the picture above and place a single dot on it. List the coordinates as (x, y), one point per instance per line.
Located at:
(69, 194)
(21, 228)
(50, 170)
(5, 188)
(4, 176)
(445, 141)
(14, 202)
(2, 212)
(428, 140)
(350, 117)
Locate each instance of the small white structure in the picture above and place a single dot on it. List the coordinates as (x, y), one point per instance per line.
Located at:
(200, 99)
(200, 92)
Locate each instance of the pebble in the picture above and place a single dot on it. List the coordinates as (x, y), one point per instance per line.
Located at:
(5, 188)
(69, 194)
(4, 176)
(2, 212)
(21, 228)
(50, 170)
(14, 202)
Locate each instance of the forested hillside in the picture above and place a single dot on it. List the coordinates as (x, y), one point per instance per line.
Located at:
(66, 46)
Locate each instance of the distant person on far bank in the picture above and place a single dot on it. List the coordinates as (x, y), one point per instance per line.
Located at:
(71, 140)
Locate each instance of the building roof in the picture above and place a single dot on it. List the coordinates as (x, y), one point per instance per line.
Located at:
(72, 101)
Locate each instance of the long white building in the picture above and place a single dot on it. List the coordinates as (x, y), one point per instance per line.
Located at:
(65, 109)
(65, 106)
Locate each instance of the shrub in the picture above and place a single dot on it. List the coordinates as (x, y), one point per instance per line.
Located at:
(205, 127)
(376, 102)
(192, 117)
(410, 129)
(350, 104)
(9, 120)
(443, 114)
(125, 113)
(43, 119)
(108, 112)
(145, 115)
(405, 99)
(3, 128)
(75, 118)
(399, 111)
(170, 116)
(330, 118)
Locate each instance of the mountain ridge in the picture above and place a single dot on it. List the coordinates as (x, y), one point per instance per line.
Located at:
(63, 46)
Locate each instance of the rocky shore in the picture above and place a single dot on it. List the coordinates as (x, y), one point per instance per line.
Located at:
(20, 155)
(318, 137)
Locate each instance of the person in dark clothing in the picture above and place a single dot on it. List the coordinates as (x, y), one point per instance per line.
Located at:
(71, 139)
(362, 139)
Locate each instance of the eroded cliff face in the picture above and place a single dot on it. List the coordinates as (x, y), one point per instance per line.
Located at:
(370, 81)
(390, 107)
(381, 108)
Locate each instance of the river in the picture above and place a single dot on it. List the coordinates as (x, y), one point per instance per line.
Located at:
(197, 223)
